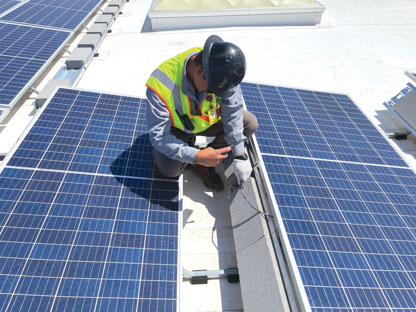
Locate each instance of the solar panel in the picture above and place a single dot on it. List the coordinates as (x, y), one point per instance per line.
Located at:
(6, 5)
(79, 239)
(89, 132)
(67, 15)
(316, 124)
(348, 219)
(24, 51)
(80, 5)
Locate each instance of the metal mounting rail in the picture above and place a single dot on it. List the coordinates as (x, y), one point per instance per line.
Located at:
(202, 276)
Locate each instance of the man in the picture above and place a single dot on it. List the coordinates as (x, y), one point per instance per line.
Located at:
(198, 92)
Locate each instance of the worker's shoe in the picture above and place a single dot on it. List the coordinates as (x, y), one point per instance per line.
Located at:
(210, 177)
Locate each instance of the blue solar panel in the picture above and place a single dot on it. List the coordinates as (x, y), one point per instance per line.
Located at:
(30, 42)
(349, 220)
(6, 5)
(80, 242)
(80, 5)
(60, 14)
(315, 124)
(15, 74)
(89, 132)
(23, 52)
(87, 240)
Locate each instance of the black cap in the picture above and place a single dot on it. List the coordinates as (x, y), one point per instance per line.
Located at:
(224, 65)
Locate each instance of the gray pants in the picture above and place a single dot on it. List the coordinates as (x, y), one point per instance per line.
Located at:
(173, 168)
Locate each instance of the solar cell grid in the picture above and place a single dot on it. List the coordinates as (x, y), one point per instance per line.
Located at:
(83, 256)
(89, 135)
(15, 73)
(364, 237)
(73, 237)
(24, 51)
(6, 5)
(80, 5)
(29, 42)
(60, 14)
(345, 196)
(314, 124)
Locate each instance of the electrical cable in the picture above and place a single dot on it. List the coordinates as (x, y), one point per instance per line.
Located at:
(240, 188)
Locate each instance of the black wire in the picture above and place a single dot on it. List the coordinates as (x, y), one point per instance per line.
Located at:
(240, 188)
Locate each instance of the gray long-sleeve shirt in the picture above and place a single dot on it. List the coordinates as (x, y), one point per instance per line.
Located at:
(159, 121)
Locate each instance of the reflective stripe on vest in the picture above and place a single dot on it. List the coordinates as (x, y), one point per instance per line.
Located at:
(166, 82)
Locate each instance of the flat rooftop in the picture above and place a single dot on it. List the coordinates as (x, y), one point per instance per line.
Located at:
(361, 48)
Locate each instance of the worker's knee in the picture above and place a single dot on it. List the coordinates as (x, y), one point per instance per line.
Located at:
(171, 172)
(168, 167)
(250, 124)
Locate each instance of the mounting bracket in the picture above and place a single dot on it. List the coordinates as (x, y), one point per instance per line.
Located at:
(398, 135)
(202, 276)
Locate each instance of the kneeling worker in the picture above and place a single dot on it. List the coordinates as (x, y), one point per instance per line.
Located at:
(197, 92)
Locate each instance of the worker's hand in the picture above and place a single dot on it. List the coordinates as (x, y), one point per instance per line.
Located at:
(210, 157)
(242, 170)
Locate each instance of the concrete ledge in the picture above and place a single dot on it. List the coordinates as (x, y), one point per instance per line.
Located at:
(49, 88)
(111, 10)
(3, 113)
(99, 29)
(117, 3)
(262, 287)
(89, 41)
(78, 58)
(104, 19)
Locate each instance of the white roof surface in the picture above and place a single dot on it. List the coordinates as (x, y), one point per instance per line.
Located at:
(361, 48)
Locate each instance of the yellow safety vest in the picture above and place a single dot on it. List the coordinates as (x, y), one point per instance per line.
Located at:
(166, 82)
